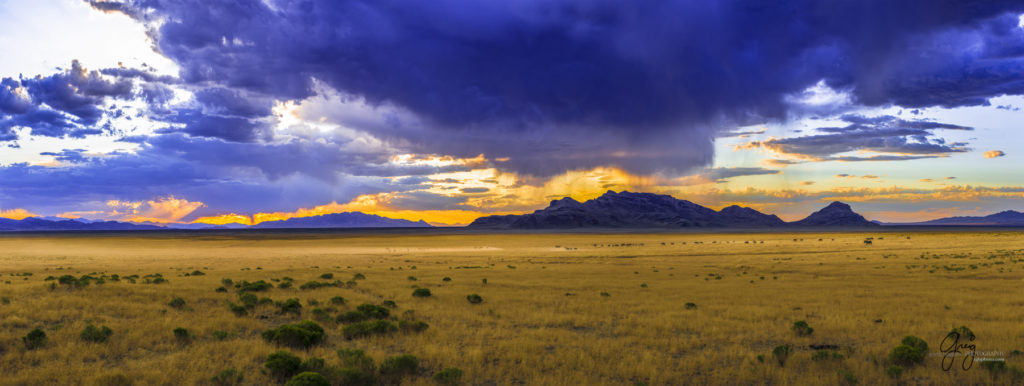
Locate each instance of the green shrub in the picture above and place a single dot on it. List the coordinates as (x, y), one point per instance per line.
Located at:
(249, 300)
(413, 325)
(389, 304)
(34, 339)
(363, 329)
(474, 299)
(446, 278)
(782, 353)
(374, 312)
(412, 278)
(290, 306)
(257, 286)
(355, 377)
(220, 335)
(605, 294)
(308, 378)
(313, 364)
(227, 282)
(327, 276)
(177, 303)
(356, 359)
(398, 366)
(312, 285)
(238, 310)
(691, 306)
(221, 289)
(321, 315)
(802, 328)
(358, 276)
(299, 335)
(337, 300)
(894, 371)
(285, 285)
(965, 333)
(94, 334)
(448, 376)
(421, 293)
(182, 334)
(824, 355)
(198, 273)
(228, 377)
(912, 350)
(351, 317)
(283, 364)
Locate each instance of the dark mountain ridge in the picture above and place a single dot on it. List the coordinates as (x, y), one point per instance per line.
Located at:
(342, 220)
(1004, 218)
(39, 224)
(336, 220)
(648, 210)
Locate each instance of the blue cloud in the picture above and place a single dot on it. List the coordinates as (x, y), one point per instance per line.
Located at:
(653, 81)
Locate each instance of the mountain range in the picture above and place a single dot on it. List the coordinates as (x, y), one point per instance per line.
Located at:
(648, 210)
(41, 224)
(1005, 218)
(622, 210)
(335, 220)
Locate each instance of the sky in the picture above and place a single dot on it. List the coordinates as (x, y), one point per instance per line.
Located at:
(254, 110)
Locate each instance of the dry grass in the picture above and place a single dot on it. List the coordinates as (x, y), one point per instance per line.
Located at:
(543, 321)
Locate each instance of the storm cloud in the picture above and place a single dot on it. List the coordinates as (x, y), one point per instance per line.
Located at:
(899, 139)
(648, 85)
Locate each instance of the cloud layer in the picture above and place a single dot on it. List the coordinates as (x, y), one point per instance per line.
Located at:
(557, 85)
(281, 105)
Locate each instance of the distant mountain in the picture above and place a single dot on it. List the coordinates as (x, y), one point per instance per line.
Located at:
(201, 226)
(39, 224)
(1005, 218)
(343, 220)
(836, 214)
(631, 210)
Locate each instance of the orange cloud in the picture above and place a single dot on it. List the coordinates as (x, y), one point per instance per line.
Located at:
(16, 214)
(225, 219)
(994, 154)
(162, 210)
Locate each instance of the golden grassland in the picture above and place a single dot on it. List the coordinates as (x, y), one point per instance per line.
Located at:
(543, 320)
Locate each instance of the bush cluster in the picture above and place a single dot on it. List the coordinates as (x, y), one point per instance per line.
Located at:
(364, 329)
(801, 328)
(911, 351)
(299, 335)
(421, 293)
(92, 333)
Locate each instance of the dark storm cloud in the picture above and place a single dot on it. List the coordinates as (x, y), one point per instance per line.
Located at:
(67, 155)
(77, 91)
(646, 84)
(903, 139)
(198, 124)
(721, 174)
(73, 102)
